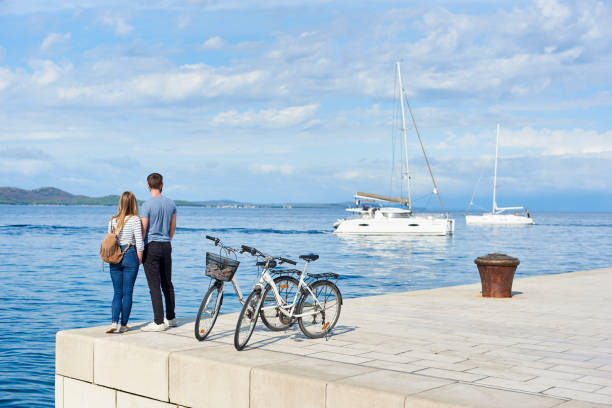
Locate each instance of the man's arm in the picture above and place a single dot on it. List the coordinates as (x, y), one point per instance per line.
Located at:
(172, 225)
(145, 225)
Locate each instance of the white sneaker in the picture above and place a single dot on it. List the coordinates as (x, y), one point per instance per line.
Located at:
(152, 327)
(113, 328)
(170, 323)
(123, 329)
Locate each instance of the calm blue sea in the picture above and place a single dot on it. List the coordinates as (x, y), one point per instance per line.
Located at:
(51, 272)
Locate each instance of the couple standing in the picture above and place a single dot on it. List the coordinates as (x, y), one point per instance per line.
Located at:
(158, 223)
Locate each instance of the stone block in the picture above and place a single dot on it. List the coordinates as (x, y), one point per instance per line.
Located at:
(288, 390)
(581, 404)
(59, 391)
(452, 375)
(217, 376)
(381, 388)
(580, 395)
(134, 401)
(81, 394)
(299, 382)
(138, 363)
(467, 395)
(74, 352)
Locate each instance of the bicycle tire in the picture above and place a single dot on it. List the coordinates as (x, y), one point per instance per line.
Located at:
(273, 320)
(248, 315)
(325, 291)
(203, 326)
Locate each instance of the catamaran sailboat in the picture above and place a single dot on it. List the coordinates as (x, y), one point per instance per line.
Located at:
(497, 216)
(383, 218)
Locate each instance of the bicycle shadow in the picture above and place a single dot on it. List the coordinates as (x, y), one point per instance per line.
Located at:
(294, 334)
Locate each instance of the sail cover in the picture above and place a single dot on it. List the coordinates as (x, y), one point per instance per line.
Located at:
(370, 196)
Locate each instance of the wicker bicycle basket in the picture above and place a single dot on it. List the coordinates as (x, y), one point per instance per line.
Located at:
(220, 267)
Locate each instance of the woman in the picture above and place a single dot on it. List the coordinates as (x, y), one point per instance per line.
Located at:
(127, 223)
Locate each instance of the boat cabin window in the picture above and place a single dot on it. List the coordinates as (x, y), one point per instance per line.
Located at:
(396, 214)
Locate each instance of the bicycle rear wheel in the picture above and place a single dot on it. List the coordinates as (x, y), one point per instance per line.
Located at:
(247, 319)
(322, 313)
(270, 314)
(209, 310)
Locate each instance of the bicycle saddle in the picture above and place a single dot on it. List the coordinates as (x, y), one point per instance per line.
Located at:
(309, 257)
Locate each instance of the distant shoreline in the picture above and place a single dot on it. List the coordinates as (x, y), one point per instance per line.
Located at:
(188, 204)
(47, 196)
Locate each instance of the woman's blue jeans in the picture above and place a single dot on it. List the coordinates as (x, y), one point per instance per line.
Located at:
(124, 275)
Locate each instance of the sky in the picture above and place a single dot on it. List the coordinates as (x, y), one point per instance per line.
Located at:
(297, 101)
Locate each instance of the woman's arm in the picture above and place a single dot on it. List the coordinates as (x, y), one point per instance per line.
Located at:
(138, 237)
(144, 224)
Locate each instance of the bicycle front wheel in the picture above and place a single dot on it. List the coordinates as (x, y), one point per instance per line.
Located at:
(320, 312)
(247, 319)
(209, 310)
(270, 313)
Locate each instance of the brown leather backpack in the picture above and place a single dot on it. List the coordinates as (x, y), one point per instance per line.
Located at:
(110, 251)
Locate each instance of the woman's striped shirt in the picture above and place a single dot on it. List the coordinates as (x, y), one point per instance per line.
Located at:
(131, 231)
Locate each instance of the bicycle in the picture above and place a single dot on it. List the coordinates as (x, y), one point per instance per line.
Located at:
(222, 269)
(316, 305)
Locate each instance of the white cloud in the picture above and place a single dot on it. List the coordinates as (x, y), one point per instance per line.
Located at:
(267, 118)
(213, 43)
(26, 167)
(183, 22)
(54, 40)
(558, 142)
(284, 169)
(47, 72)
(6, 78)
(172, 86)
(118, 23)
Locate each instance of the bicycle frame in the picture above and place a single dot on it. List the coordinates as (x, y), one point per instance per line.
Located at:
(267, 278)
(229, 252)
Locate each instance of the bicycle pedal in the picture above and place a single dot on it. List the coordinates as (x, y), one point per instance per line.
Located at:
(325, 326)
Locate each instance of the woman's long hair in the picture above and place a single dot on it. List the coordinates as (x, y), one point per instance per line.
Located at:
(127, 206)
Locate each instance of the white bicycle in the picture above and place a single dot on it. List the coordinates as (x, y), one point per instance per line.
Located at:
(315, 304)
(221, 269)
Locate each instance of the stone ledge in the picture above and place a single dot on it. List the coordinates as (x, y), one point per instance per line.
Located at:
(423, 350)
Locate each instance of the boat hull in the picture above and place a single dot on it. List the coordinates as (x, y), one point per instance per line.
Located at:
(498, 219)
(408, 226)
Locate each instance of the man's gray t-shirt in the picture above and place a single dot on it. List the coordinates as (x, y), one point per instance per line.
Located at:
(159, 211)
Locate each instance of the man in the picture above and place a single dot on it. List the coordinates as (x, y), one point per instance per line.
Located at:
(158, 216)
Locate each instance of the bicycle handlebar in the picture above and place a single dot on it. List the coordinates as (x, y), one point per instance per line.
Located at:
(250, 250)
(257, 252)
(215, 240)
(289, 261)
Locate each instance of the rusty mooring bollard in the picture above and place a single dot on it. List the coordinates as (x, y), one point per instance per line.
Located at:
(496, 274)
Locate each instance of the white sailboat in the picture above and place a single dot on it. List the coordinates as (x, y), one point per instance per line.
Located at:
(383, 219)
(497, 216)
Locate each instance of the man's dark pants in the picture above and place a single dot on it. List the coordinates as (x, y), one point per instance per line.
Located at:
(157, 261)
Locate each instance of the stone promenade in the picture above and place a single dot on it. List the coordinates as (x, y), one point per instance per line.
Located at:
(548, 346)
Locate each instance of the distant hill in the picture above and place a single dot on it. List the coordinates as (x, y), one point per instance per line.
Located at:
(51, 195)
(55, 196)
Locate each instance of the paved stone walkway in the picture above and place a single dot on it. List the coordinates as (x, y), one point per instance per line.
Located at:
(550, 345)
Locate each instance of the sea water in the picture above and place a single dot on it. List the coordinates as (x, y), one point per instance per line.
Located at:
(52, 278)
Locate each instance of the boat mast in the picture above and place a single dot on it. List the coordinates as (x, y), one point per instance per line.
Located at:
(495, 172)
(406, 173)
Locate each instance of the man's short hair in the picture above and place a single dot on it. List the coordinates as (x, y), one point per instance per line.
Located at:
(155, 181)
